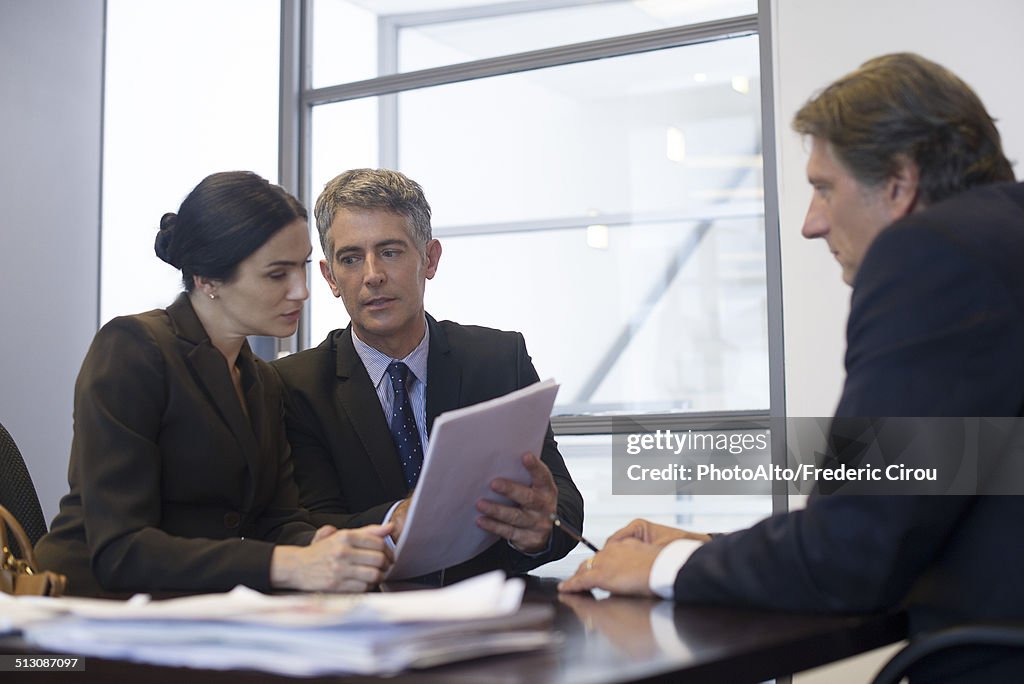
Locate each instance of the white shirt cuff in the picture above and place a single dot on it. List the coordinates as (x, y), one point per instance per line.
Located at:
(387, 518)
(666, 566)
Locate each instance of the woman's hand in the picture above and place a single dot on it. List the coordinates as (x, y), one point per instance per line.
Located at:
(346, 561)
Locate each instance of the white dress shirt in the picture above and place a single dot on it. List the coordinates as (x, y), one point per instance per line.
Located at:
(667, 565)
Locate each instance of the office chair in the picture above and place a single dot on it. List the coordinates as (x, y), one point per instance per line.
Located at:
(17, 493)
(1003, 635)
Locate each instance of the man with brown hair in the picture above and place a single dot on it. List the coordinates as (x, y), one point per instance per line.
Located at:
(908, 170)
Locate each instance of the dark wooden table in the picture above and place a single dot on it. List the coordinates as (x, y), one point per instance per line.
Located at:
(597, 641)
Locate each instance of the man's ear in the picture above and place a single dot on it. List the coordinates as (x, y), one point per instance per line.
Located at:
(433, 255)
(325, 271)
(902, 189)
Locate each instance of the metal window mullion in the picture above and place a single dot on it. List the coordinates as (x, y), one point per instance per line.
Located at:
(305, 152)
(289, 94)
(103, 165)
(677, 422)
(773, 258)
(537, 59)
(293, 124)
(488, 11)
(576, 222)
(387, 105)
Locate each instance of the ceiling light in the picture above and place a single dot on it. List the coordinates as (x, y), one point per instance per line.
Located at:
(675, 144)
(597, 236)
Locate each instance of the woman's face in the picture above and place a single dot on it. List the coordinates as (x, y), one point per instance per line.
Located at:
(265, 297)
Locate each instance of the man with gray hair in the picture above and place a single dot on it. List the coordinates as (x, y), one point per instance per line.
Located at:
(360, 405)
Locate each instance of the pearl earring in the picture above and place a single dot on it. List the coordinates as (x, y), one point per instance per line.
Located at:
(213, 296)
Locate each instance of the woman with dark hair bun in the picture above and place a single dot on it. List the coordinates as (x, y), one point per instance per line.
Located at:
(180, 472)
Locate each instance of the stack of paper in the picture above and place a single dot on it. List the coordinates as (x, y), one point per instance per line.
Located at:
(300, 634)
(17, 612)
(472, 445)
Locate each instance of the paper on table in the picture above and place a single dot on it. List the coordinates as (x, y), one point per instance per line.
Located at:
(301, 634)
(306, 651)
(485, 596)
(16, 612)
(468, 448)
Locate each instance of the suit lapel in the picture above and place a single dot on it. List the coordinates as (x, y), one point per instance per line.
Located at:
(255, 394)
(210, 371)
(357, 398)
(444, 375)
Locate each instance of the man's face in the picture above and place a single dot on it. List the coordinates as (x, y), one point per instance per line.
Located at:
(846, 213)
(379, 272)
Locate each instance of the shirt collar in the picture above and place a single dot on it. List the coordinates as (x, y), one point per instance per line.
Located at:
(377, 362)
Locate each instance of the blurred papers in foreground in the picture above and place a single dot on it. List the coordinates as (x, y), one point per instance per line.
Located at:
(300, 634)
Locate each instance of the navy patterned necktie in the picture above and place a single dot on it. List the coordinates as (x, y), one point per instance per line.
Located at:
(403, 425)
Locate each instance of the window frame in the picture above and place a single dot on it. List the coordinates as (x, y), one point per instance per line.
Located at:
(298, 98)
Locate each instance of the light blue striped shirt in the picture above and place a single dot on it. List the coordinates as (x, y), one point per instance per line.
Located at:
(376, 364)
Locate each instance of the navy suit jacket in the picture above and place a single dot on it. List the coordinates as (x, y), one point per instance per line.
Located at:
(346, 465)
(936, 328)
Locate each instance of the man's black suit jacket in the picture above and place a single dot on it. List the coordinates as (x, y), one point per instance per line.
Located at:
(936, 328)
(346, 465)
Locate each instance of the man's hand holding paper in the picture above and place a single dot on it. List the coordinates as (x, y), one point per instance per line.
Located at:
(514, 491)
(527, 523)
(398, 515)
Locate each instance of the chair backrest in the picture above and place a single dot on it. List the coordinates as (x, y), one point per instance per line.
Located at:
(17, 493)
(1006, 636)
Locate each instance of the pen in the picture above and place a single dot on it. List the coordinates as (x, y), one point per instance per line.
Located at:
(557, 522)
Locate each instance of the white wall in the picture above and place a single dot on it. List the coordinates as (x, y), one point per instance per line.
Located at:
(815, 42)
(51, 80)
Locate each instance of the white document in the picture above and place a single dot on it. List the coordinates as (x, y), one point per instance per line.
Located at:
(382, 649)
(301, 634)
(468, 448)
(482, 597)
(16, 612)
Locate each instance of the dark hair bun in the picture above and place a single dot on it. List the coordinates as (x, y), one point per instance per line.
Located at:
(162, 246)
(225, 218)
